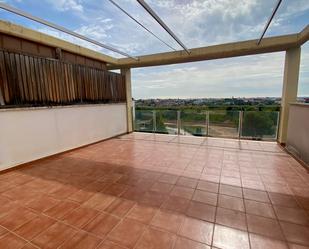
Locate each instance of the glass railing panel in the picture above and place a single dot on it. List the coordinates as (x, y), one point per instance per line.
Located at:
(193, 123)
(166, 121)
(261, 125)
(143, 121)
(224, 124)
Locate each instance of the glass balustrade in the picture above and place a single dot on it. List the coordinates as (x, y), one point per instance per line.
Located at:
(259, 125)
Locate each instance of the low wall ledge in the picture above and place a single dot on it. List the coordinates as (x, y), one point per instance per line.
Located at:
(300, 104)
(33, 108)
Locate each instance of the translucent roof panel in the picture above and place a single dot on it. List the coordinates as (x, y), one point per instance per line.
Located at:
(196, 22)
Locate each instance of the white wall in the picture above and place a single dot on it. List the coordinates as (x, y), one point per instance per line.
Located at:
(298, 131)
(27, 134)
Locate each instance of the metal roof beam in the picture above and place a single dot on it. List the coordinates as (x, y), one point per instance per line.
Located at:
(269, 21)
(139, 23)
(62, 29)
(162, 24)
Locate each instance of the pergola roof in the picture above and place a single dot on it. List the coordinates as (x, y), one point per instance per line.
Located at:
(240, 48)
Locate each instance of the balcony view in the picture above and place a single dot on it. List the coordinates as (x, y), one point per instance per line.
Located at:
(154, 124)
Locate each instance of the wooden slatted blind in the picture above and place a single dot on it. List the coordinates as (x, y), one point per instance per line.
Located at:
(29, 80)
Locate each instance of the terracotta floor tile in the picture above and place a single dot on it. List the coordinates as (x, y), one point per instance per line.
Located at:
(42, 203)
(283, 200)
(187, 182)
(261, 242)
(152, 175)
(142, 213)
(183, 243)
(120, 207)
(2, 231)
(34, 227)
(130, 180)
(295, 246)
(20, 194)
(16, 218)
(111, 178)
(154, 199)
(61, 209)
(293, 215)
(81, 240)
(29, 246)
(201, 211)
(231, 218)
(211, 178)
(145, 184)
(296, 233)
(229, 238)
(264, 226)
(231, 202)
(303, 201)
(99, 201)
(115, 189)
(161, 187)
(81, 196)
(11, 241)
(63, 192)
(127, 233)
(176, 204)
(168, 221)
(133, 193)
(230, 190)
(96, 187)
(259, 208)
(101, 225)
(54, 236)
(168, 178)
(197, 230)
(80, 217)
(205, 197)
(256, 195)
(208, 186)
(107, 244)
(233, 181)
(183, 192)
(155, 239)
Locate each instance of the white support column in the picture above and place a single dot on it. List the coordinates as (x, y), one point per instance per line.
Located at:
(126, 72)
(289, 90)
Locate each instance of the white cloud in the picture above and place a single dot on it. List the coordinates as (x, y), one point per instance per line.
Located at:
(67, 5)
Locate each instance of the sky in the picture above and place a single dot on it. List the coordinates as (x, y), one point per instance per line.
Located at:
(197, 23)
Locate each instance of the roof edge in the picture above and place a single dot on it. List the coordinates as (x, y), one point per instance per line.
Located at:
(39, 37)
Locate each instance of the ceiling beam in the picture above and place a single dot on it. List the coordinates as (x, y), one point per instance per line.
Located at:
(242, 48)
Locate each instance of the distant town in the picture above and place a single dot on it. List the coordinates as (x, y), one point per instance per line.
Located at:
(213, 102)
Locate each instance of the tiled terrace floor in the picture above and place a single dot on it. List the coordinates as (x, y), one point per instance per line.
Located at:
(150, 191)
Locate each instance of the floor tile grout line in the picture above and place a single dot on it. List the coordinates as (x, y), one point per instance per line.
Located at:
(246, 219)
(216, 211)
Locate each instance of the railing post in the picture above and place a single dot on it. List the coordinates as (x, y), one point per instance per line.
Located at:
(178, 123)
(277, 128)
(240, 124)
(154, 121)
(207, 123)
